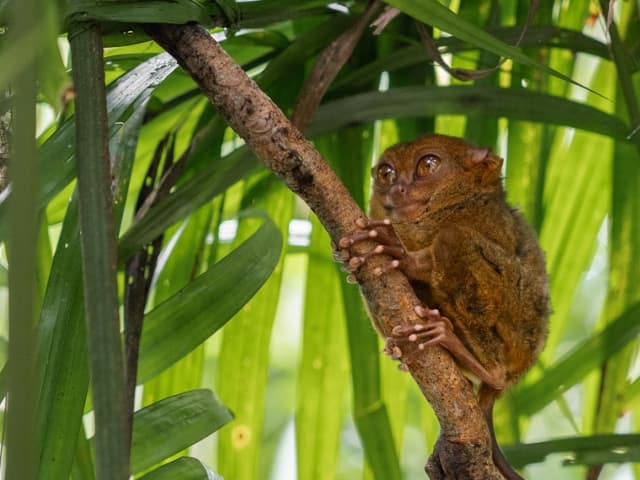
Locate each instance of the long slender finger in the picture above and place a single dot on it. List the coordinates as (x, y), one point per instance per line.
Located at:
(425, 312)
(432, 314)
(436, 329)
(396, 252)
(434, 341)
(375, 224)
(350, 240)
(419, 328)
(391, 250)
(382, 269)
(387, 237)
(383, 227)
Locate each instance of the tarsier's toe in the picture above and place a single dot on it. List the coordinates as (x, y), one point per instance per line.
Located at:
(424, 312)
(433, 315)
(362, 223)
(405, 331)
(356, 237)
(392, 349)
(355, 262)
(403, 367)
(382, 269)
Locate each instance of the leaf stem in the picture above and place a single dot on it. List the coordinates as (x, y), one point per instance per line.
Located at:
(99, 262)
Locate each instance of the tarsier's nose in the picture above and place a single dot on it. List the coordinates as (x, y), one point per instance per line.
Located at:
(400, 188)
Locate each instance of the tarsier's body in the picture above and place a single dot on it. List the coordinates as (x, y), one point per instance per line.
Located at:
(438, 209)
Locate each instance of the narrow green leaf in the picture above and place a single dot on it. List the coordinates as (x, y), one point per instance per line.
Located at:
(537, 36)
(323, 374)
(239, 445)
(184, 468)
(241, 15)
(57, 153)
(434, 13)
(154, 11)
(183, 263)
(62, 354)
(261, 14)
(573, 216)
(574, 366)
(99, 256)
(52, 77)
(18, 53)
(172, 424)
(375, 426)
(83, 467)
(43, 257)
(604, 456)
(62, 347)
(624, 244)
(301, 49)
(219, 175)
(21, 456)
(479, 130)
(184, 321)
(609, 448)
(632, 393)
(517, 104)
(528, 152)
(212, 180)
(369, 410)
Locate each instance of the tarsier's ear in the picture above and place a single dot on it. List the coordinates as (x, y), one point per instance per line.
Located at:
(487, 163)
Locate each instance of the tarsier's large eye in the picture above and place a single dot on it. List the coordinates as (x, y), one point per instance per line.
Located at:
(385, 174)
(427, 164)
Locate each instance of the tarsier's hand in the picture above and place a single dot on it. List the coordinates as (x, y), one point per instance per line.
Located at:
(433, 330)
(387, 243)
(415, 265)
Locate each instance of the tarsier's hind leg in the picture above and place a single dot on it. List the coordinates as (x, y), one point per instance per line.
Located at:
(438, 330)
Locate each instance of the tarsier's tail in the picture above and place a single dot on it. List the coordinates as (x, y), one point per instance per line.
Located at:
(487, 397)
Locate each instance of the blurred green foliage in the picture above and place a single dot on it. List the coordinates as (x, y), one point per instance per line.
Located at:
(251, 305)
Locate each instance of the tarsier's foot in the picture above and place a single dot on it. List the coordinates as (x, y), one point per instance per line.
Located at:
(431, 332)
(438, 330)
(379, 231)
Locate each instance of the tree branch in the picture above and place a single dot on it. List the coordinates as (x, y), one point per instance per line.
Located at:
(463, 451)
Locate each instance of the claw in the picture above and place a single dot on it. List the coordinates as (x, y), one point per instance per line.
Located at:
(426, 312)
(355, 262)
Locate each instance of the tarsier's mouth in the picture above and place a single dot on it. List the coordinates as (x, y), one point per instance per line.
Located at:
(409, 210)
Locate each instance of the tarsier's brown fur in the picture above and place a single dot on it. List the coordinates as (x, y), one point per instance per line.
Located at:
(468, 255)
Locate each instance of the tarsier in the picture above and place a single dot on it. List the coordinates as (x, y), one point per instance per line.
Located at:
(438, 210)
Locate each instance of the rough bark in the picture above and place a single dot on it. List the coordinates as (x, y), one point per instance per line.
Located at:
(463, 451)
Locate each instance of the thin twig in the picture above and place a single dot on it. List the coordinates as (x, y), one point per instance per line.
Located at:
(324, 71)
(465, 74)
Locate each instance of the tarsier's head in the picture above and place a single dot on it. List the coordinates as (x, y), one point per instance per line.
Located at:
(430, 173)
